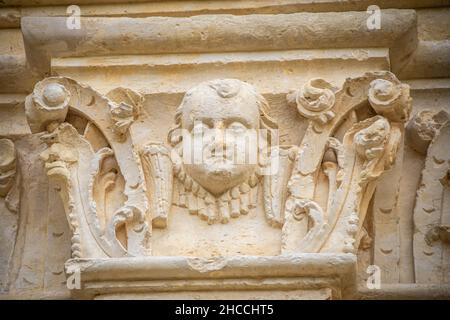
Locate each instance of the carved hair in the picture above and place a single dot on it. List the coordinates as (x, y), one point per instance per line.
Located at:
(227, 88)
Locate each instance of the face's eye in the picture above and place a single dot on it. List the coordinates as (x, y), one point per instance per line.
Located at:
(237, 128)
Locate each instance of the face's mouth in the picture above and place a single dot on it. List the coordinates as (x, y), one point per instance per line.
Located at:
(220, 165)
(55, 168)
(219, 160)
(217, 175)
(219, 154)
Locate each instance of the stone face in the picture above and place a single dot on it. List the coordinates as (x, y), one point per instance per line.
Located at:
(279, 151)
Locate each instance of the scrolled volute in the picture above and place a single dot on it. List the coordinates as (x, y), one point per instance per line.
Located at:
(48, 103)
(390, 99)
(314, 100)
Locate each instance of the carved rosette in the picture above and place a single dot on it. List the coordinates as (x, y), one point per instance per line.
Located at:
(390, 99)
(314, 100)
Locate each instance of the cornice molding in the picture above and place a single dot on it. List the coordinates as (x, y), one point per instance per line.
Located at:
(47, 37)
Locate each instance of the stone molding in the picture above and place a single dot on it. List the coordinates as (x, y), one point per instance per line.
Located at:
(153, 275)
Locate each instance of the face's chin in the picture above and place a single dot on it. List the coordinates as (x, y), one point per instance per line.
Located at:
(219, 175)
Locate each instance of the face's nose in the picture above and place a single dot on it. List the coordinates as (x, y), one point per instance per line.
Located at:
(219, 133)
(50, 155)
(58, 152)
(53, 155)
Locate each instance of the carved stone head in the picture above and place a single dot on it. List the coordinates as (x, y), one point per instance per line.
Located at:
(222, 119)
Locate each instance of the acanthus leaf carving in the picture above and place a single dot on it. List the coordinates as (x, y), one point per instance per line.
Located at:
(126, 109)
(369, 147)
(76, 185)
(66, 159)
(370, 152)
(301, 208)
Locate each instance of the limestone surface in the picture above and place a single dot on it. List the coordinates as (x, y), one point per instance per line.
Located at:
(289, 149)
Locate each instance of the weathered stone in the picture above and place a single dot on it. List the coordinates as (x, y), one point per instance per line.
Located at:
(227, 150)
